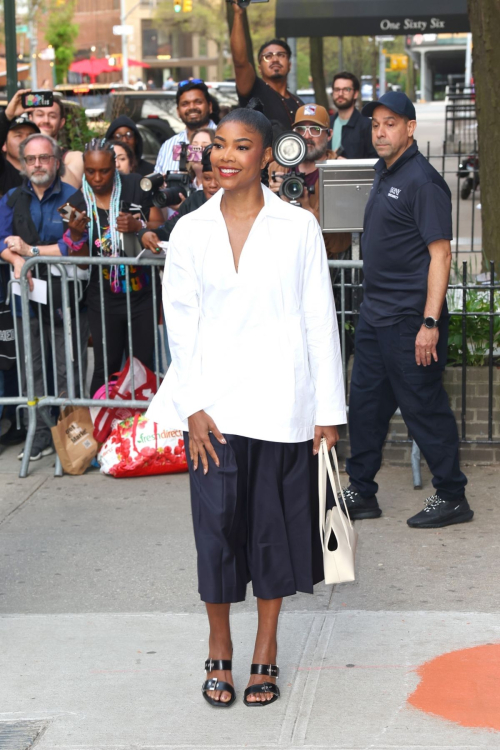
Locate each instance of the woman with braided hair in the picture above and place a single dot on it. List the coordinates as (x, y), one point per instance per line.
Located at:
(107, 200)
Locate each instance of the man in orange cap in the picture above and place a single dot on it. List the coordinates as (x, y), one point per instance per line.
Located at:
(312, 122)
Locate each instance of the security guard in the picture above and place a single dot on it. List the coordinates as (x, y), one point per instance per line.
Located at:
(402, 334)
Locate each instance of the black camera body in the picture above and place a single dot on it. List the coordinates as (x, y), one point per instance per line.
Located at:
(166, 190)
(293, 185)
(289, 150)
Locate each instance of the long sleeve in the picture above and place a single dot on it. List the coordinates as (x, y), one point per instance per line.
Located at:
(322, 334)
(182, 314)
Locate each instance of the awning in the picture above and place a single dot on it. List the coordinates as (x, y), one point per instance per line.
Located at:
(370, 17)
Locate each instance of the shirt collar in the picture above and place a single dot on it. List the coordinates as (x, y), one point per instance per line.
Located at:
(211, 124)
(55, 187)
(405, 157)
(273, 206)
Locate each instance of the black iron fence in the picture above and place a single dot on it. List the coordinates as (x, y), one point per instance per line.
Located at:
(473, 345)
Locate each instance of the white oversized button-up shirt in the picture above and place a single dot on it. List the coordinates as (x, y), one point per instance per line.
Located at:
(257, 349)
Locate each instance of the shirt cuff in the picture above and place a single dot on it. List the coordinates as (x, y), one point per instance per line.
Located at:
(62, 247)
(330, 418)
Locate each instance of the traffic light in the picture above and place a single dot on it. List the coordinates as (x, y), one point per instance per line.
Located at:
(187, 6)
(177, 6)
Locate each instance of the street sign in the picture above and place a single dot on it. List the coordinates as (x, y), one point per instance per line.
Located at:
(23, 29)
(47, 54)
(123, 30)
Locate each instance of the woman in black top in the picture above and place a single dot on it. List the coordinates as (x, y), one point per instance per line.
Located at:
(108, 200)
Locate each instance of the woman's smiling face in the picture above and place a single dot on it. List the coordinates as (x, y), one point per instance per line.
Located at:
(238, 155)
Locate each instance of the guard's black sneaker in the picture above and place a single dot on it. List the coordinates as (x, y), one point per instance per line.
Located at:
(438, 513)
(359, 507)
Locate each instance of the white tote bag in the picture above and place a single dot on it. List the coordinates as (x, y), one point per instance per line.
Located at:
(338, 535)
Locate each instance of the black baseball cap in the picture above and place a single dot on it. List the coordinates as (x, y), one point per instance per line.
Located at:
(22, 121)
(396, 101)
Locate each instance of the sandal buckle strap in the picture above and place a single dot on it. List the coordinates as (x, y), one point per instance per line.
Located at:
(271, 670)
(218, 664)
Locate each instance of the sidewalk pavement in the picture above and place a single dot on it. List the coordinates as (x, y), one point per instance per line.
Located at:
(103, 637)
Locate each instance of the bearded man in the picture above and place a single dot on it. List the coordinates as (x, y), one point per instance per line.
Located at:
(352, 131)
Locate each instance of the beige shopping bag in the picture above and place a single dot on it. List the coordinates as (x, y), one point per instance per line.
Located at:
(73, 439)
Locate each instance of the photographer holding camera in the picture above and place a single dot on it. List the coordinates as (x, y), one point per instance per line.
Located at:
(274, 56)
(194, 107)
(312, 122)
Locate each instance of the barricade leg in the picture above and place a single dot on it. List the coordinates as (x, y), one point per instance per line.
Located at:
(415, 467)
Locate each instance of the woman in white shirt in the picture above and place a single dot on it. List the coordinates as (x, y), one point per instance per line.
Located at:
(256, 380)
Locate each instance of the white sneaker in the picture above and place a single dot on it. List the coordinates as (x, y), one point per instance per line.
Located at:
(37, 453)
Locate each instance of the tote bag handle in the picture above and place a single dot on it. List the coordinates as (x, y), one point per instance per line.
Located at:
(324, 468)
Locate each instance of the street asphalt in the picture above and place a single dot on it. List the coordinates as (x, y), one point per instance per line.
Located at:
(103, 636)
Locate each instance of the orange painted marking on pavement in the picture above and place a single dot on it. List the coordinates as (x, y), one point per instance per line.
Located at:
(462, 686)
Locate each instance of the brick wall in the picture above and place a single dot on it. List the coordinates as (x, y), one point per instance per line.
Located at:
(476, 427)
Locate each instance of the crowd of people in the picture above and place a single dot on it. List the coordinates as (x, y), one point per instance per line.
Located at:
(109, 215)
(256, 376)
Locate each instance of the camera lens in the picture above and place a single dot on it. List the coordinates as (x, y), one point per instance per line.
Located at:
(292, 188)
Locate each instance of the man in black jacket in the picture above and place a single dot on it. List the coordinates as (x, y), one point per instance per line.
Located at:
(352, 131)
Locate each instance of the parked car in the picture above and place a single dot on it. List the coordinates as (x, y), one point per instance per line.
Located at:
(93, 97)
(157, 110)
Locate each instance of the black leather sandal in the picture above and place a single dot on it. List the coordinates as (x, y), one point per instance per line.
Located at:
(215, 684)
(266, 687)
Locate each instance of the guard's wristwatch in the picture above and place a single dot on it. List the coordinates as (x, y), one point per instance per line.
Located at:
(431, 322)
(35, 251)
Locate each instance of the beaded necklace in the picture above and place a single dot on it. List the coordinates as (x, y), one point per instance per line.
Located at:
(114, 210)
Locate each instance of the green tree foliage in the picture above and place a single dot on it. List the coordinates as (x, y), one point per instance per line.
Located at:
(208, 19)
(61, 33)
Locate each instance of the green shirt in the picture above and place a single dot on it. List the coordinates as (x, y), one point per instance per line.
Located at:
(337, 132)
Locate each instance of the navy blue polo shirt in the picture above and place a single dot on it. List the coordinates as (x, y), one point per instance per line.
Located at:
(409, 207)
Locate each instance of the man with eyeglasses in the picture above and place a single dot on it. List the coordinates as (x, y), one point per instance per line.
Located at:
(312, 122)
(194, 108)
(274, 56)
(352, 136)
(31, 226)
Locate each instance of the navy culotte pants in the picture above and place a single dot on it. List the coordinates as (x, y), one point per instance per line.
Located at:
(385, 376)
(255, 518)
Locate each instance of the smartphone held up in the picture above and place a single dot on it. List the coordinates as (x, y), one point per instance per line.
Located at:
(35, 99)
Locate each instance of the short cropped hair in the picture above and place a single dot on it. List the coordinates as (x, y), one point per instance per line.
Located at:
(56, 151)
(280, 42)
(348, 77)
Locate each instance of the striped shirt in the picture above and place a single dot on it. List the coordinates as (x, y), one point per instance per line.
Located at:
(164, 161)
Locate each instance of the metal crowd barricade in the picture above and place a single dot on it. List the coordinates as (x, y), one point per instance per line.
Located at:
(33, 402)
(347, 284)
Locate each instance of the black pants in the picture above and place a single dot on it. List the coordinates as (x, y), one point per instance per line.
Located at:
(143, 337)
(255, 517)
(385, 376)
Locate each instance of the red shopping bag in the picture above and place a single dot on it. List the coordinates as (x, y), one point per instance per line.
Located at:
(145, 389)
(138, 447)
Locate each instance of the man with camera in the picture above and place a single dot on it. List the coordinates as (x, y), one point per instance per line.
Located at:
(194, 107)
(312, 122)
(274, 56)
(352, 132)
(150, 238)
